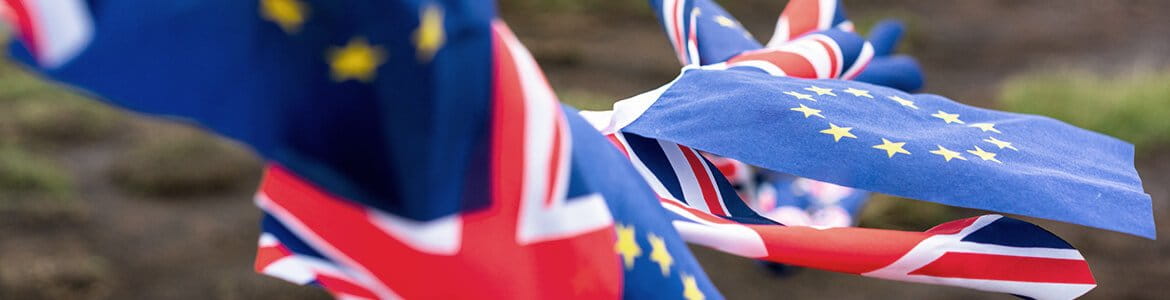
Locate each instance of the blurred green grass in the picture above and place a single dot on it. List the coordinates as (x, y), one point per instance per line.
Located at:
(34, 115)
(68, 274)
(897, 213)
(170, 160)
(1132, 106)
(39, 120)
(914, 27)
(638, 8)
(586, 100)
(43, 114)
(23, 173)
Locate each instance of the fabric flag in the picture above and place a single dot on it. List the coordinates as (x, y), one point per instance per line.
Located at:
(686, 182)
(918, 146)
(531, 169)
(411, 145)
(1105, 193)
(703, 33)
(715, 40)
(707, 212)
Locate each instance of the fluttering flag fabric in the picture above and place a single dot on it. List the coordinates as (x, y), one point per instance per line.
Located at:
(879, 139)
(414, 144)
(715, 38)
(703, 33)
(707, 211)
(1104, 193)
(411, 145)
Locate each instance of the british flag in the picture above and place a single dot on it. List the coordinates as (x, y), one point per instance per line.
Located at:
(451, 160)
(986, 253)
(812, 39)
(548, 232)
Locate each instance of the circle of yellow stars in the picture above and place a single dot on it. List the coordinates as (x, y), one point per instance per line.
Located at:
(628, 249)
(358, 59)
(893, 148)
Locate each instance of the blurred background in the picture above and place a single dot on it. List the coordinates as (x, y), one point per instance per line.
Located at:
(97, 203)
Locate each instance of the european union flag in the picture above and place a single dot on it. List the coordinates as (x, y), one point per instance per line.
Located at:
(918, 146)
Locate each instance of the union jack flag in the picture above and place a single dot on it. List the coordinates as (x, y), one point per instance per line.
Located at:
(562, 243)
(981, 253)
(420, 145)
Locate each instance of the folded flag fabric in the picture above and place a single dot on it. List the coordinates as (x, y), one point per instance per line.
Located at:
(363, 106)
(411, 144)
(703, 33)
(714, 41)
(1104, 192)
(989, 253)
(920, 146)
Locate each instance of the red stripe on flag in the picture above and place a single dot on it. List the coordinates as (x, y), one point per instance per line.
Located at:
(803, 17)
(705, 216)
(952, 227)
(340, 287)
(710, 195)
(24, 23)
(346, 227)
(834, 69)
(793, 64)
(267, 255)
(1009, 268)
(618, 143)
(678, 39)
(848, 250)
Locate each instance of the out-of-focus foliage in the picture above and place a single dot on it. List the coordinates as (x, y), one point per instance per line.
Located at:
(890, 212)
(1132, 106)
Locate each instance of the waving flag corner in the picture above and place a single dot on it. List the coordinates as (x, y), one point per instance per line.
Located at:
(54, 31)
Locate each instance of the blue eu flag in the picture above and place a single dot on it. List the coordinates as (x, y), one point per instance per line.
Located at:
(918, 146)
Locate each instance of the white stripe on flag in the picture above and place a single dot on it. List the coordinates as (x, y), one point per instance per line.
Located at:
(65, 28)
(692, 193)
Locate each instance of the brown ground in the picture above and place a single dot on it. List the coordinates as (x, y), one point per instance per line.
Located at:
(129, 246)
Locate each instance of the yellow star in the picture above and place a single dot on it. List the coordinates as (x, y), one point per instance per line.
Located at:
(800, 96)
(808, 111)
(903, 102)
(357, 60)
(724, 21)
(859, 93)
(838, 132)
(892, 147)
(820, 91)
(984, 154)
(949, 118)
(691, 288)
(429, 36)
(289, 14)
(1000, 144)
(947, 153)
(985, 127)
(627, 245)
(659, 254)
